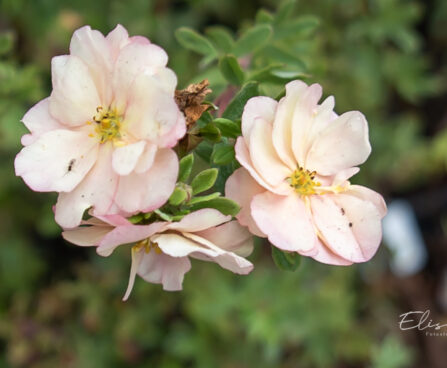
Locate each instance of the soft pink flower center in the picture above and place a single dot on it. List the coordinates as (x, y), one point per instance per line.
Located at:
(302, 181)
(108, 124)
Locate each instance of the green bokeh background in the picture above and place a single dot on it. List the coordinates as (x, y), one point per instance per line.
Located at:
(60, 306)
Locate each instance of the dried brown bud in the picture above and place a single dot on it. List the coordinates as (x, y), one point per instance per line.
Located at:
(190, 99)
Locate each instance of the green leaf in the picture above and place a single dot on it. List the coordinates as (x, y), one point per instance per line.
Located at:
(210, 132)
(264, 16)
(231, 70)
(253, 39)
(178, 196)
(224, 205)
(228, 128)
(236, 106)
(285, 261)
(204, 180)
(284, 11)
(136, 218)
(194, 41)
(285, 57)
(300, 27)
(221, 38)
(222, 154)
(204, 150)
(163, 216)
(205, 198)
(6, 42)
(185, 167)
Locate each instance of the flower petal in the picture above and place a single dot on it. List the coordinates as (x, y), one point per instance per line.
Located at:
(136, 59)
(93, 49)
(241, 187)
(325, 255)
(257, 107)
(137, 258)
(243, 156)
(282, 126)
(117, 39)
(146, 159)
(350, 227)
(38, 121)
(344, 144)
(74, 99)
(200, 220)
(149, 190)
(367, 194)
(303, 121)
(57, 161)
(86, 236)
(125, 158)
(179, 246)
(165, 270)
(98, 189)
(153, 114)
(127, 234)
(231, 237)
(285, 220)
(263, 155)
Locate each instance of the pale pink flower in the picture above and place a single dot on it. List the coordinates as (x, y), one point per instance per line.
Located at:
(297, 156)
(162, 250)
(103, 137)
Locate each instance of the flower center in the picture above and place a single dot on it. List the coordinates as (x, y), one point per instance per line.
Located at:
(148, 245)
(108, 124)
(303, 182)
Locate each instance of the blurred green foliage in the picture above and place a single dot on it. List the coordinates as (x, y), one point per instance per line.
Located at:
(61, 306)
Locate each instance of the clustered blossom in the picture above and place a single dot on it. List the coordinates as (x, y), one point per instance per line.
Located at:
(103, 137)
(162, 249)
(297, 156)
(104, 141)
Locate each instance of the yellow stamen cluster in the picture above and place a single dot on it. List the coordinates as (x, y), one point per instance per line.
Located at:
(303, 182)
(147, 245)
(108, 124)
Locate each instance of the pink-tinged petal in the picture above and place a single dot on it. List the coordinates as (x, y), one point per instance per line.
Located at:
(323, 116)
(303, 121)
(125, 159)
(365, 222)
(57, 161)
(86, 236)
(367, 194)
(263, 154)
(168, 79)
(117, 39)
(344, 175)
(243, 156)
(38, 121)
(349, 227)
(179, 246)
(231, 237)
(199, 220)
(285, 220)
(152, 114)
(282, 126)
(165, 270)
(146, 159)
(74, 99)
(241, 187)
(150, 190)
(135, 60)
(344, 144)
(127, 234)
(137, 257)
(113, 220)
(257, 107)
(325, 255)
(98, 189)
(94, 50)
